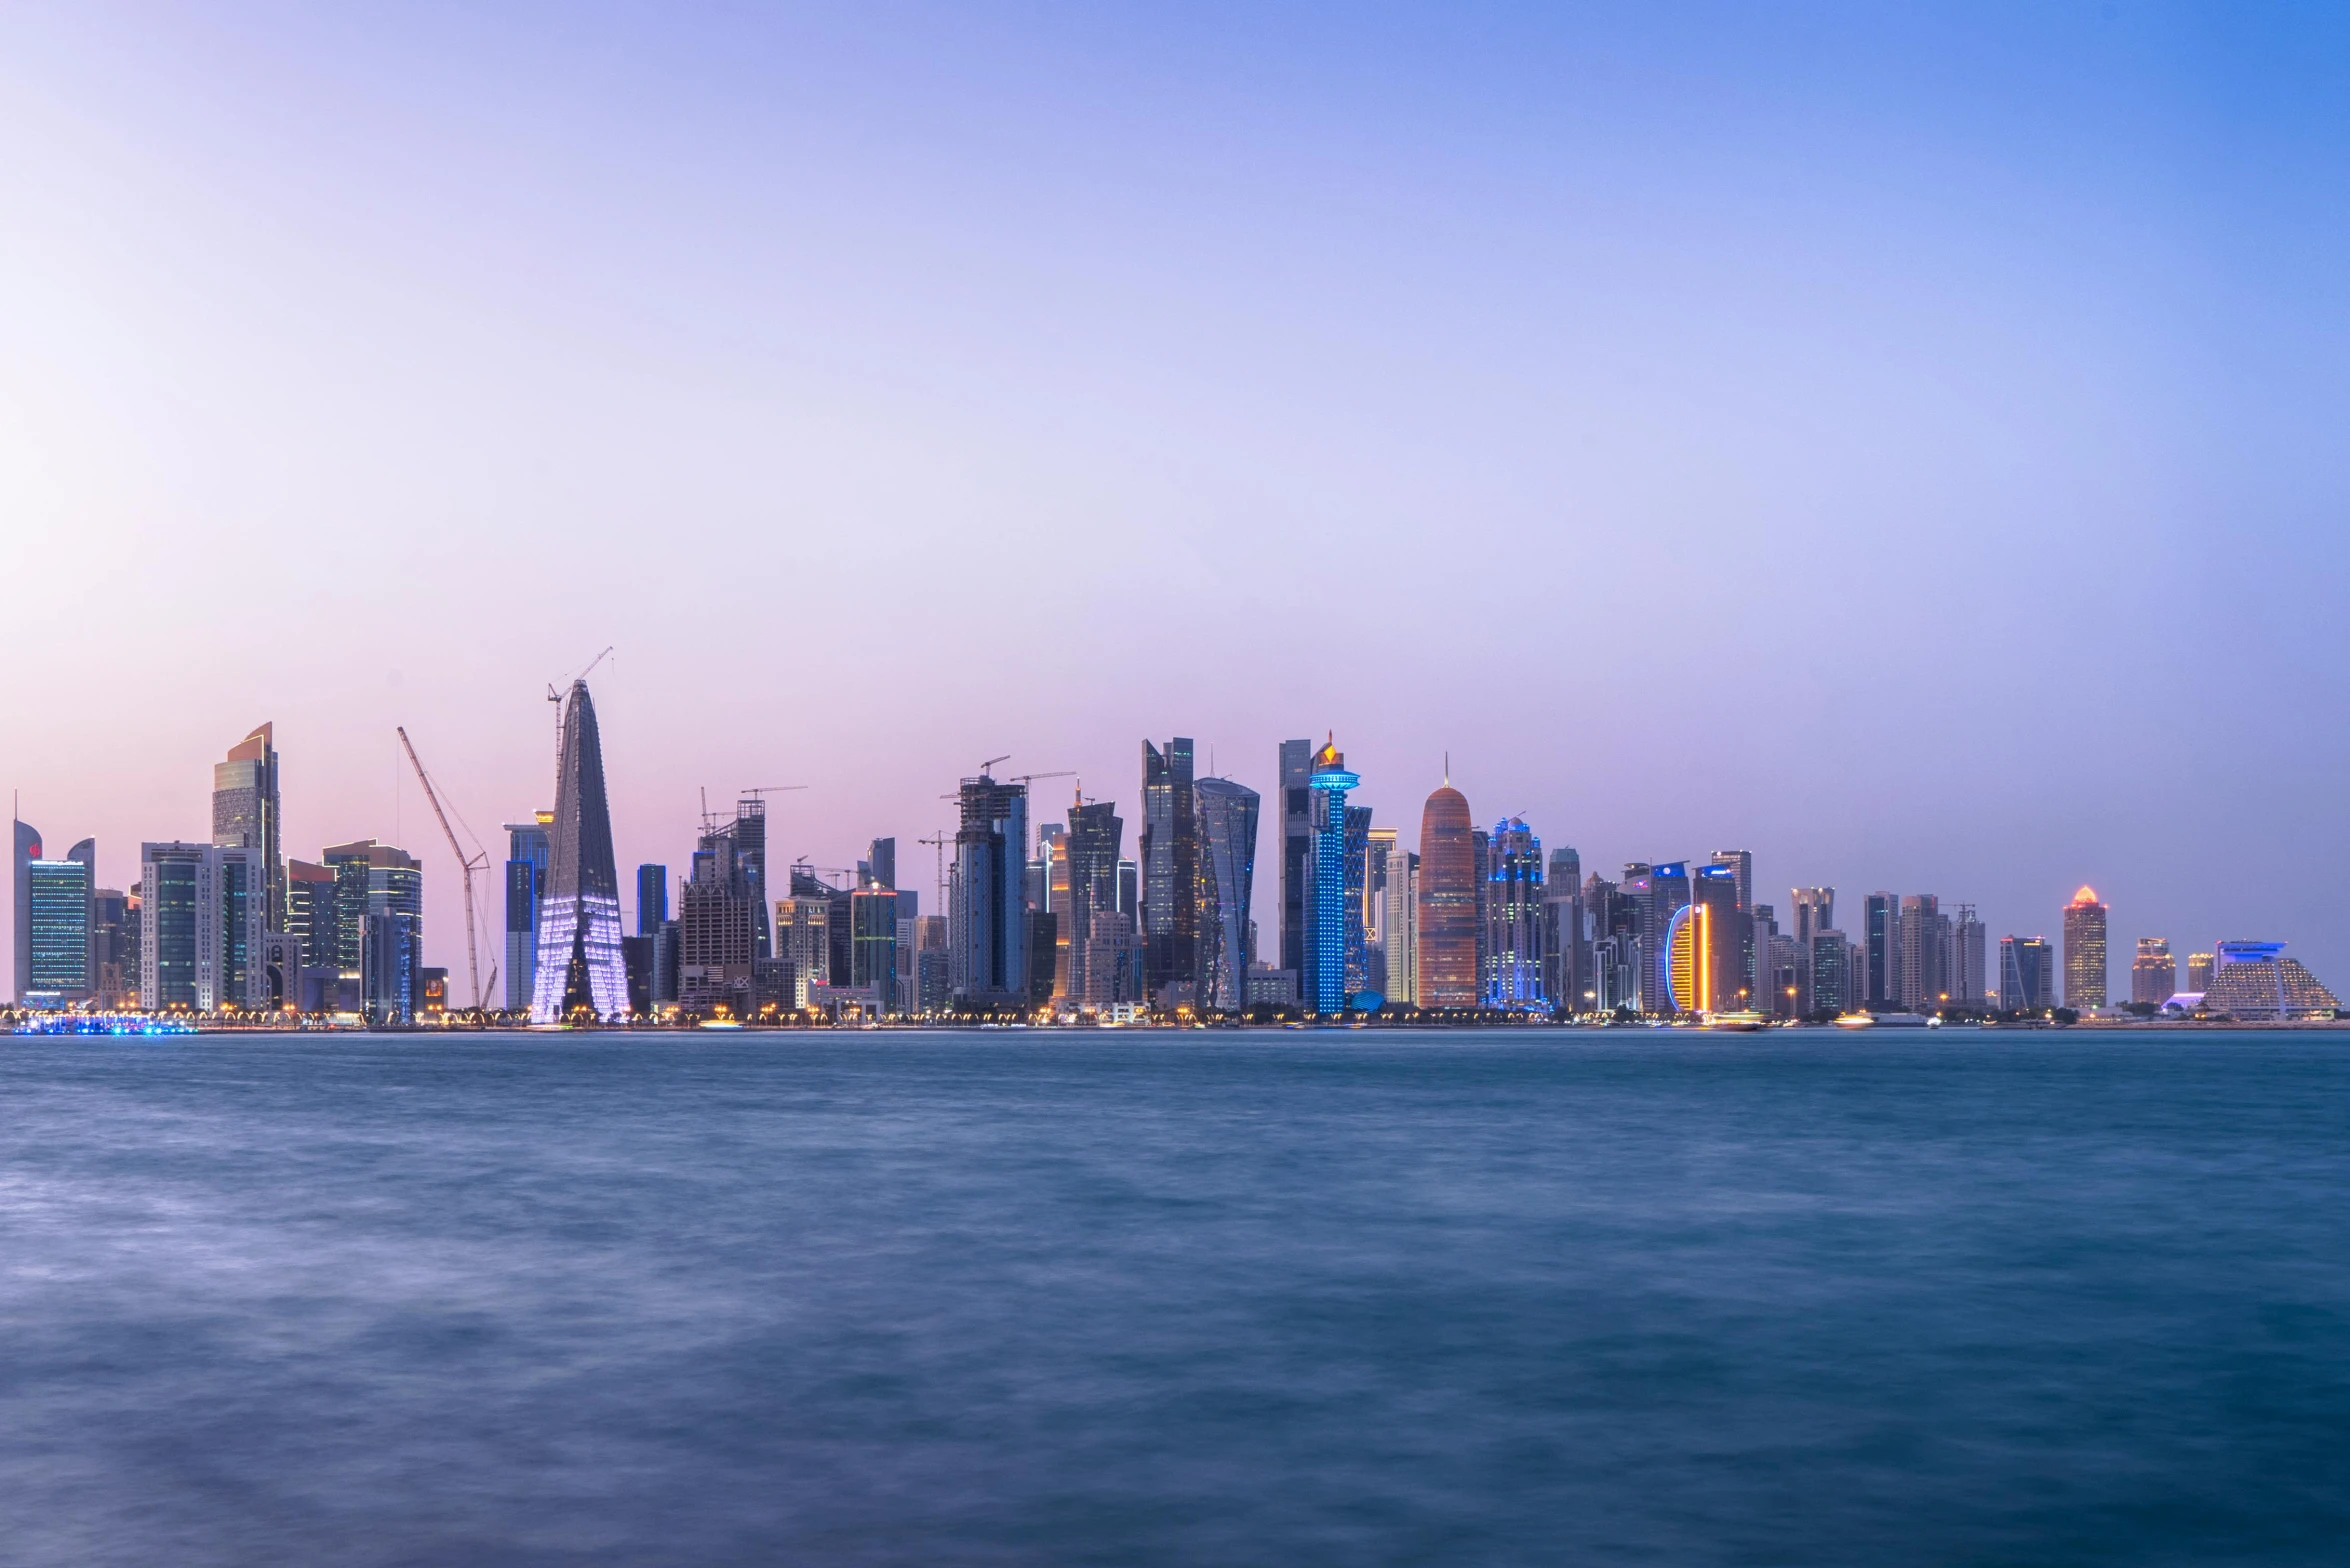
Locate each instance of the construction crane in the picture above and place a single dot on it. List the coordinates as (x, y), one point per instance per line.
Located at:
(992, 761)
(478, 861)
(942, 839)
(556, 698)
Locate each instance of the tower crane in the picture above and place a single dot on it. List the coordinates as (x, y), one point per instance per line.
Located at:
(479, 860)
(556, 697)
(940, 840)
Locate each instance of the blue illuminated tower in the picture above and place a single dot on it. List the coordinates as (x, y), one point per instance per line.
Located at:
(1323, 985)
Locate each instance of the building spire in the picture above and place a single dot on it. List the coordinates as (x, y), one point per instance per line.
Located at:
(1448, 768)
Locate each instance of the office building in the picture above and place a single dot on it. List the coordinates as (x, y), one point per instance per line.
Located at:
(203, 911)
(1170, 873)
(245, 812)
(1740, 864)
(2255, 983)
(2027, 974)
(528, 845)
(1095, 836)
(2199, 971)
(1662, 890)
(57, 932)
(1920, 936)
(1812, 910)
(652, 897)
(1399, 895)
(114, 948)
(717, 936)
(1296, 773)
(1881, 939)
(2084, 952)
(391, 967)
(1565, 943)
(1612, 915)
(1334, 920)
(1448, 902)
(580, 968)
(2153, 973)
(311, 913)
(988, 926)
(1834, 975)
(1514, 922)
(1381, 845)
(26, 850)
(1226, 815)
(1728, 933)
(1963, 969)
(1270, 987)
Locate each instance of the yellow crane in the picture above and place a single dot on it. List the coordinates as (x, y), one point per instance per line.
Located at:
(478, 861)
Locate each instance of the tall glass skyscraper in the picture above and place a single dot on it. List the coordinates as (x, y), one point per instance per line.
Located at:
(1170, 867)
(2084, 952)
(61, 913)
(1448, 902)
(245, 813)
(1334, 918)
(987, 914)
(527, 847)
(1091, 848)
(1514, 919)
(1227, 814)
(580, 963)
(1297, 823)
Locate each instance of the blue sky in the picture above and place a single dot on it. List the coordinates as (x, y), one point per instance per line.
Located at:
(1905, 442)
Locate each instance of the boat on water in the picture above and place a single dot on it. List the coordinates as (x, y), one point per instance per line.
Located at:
(1884, 1021)
(1743, 1021)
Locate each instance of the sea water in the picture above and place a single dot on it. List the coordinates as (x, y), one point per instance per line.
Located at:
(1281, 1297)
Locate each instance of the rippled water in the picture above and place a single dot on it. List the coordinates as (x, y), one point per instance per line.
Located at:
(1137, 1299)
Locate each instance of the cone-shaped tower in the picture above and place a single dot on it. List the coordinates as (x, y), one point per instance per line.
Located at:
(579, 961)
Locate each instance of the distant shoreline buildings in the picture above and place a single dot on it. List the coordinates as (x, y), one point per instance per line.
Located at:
(1052, 921)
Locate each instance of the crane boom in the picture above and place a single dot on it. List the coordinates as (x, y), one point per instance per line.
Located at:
(469, 864)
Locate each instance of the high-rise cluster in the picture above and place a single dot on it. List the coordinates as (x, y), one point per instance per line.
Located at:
(1045, 914)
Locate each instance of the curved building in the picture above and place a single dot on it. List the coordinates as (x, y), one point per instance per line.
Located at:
(1448, 902)
(579, 955)
(2254, 981)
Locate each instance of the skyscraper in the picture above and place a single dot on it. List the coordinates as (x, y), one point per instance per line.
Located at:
(1750, 980)
(1448, 902)
(114, 950)
(528, 845)
(2200, 967)
(310, 913)
(2084, 952)
(2027, 975)
(1334, 921)
(245, 812)
(1964, 970)
(1565, 959)
(2153, 973)
(1665, 893)
(750, 851)
(1093, 842)
(23, 877)
(1514, 919)
(1881, 917)
(1170, 869)
(1358, 900)
(580, 964)
(1920, 951)
(1297, 767)
(717, 941)
(1227, 819)
(62, 909)
(203, 914)
(987, 914)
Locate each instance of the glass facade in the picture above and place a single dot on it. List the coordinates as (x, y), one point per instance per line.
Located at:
(580, 965)
(60, 916)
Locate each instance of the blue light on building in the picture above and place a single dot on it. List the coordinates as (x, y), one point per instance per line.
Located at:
(1328, 916)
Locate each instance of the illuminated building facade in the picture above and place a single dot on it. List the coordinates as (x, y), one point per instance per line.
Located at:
(2255, 982)
(2199, 970)
(1663, 892)
(580, 966)
(1514, 919)
(1095, 837)
(2084, 952)
(1334, 921)
(1565, 945)
(61, 913)
(1227, 816)
(1448, 903)
(2153, 973)
(203, 911)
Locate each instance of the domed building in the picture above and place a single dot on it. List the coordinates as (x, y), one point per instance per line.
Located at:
(1448, 902)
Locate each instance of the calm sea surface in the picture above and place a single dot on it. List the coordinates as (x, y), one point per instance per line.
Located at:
(1279, 1298)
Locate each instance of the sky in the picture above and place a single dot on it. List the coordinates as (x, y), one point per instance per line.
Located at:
(1905, 442)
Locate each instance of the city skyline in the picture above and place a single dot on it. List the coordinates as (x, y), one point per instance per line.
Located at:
(1909, 434)
(1894, 955)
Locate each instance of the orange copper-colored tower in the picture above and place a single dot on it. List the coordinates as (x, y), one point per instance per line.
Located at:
(1448, 902)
